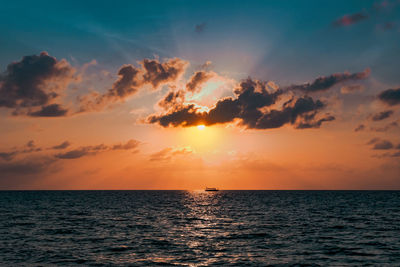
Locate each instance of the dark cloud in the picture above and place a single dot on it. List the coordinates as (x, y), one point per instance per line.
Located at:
(126, 85)
(251, 108)
(385, 128)
(28, 148)
(373, 141)
(34, 82)
(314, 124)
(93, 150)
(390, 96)
(348, 20)
(379, 144)
(359, 128)
(128, 145)
(382, 115)
(172, 99)
(127, 82)
(27, 166)
(325, 82)
(198, 79)
(77, 153)
(8, 155)
(63, 145)
(199, 28)
(303, 110)
(383, 145)
(156, 73)
(131, 79)
(52, 110)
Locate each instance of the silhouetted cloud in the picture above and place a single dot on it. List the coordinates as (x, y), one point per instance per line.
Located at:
(131, 79)
(199, 28)
(379, 144)
(28, 148)
(172, 99)
(26, 166)
(385, 128)
(128, 145)
(52, 110)
(390, 96)
(63, 145)
(383, 144)
(249, 108)
(347, 20)
(157, 73)
(325, 82)
(359, 128)
(198, 79)
(34, 82)
(93, 150)
(76, 153)
(8, 155)
(382, 115)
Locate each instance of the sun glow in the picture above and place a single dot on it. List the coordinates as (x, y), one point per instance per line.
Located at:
(200, 137)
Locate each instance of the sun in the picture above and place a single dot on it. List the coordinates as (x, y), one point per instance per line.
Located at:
(201, 127)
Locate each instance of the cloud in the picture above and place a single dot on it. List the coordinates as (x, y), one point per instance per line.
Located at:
(52, 110)
(351, 19)
(28, 148)
(34, 82)
(359, 128)
(373, 141)
(379, 144)
(128, 145)
(390, 96)
(251, 107)
(157, 73)
(351, 89)
(168, 153)
(385, 128)
(27, 166)
(172, 99)
(131, 79)
(77, 153)
(8, 155)
(93, 150)
(383, 145)
(199, 28)
(324, 83)
(198, 79)
(382, 115)
(63, 145)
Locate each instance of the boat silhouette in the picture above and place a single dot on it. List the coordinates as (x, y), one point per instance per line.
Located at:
(211, 189)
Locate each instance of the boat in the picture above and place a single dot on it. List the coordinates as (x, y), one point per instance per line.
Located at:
(213, 189)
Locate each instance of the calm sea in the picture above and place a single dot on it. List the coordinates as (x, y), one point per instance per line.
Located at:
(189, 228)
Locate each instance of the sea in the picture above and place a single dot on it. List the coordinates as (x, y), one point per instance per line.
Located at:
(198, 228)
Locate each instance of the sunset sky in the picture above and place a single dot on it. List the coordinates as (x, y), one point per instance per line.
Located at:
(290, 94)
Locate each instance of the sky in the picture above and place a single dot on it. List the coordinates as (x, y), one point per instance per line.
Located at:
(188, 94)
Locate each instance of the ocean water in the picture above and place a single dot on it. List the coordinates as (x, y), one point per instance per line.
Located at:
(193, 228)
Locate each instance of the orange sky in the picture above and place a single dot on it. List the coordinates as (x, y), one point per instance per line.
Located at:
(292, 96)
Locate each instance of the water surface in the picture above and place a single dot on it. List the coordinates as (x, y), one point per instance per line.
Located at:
(193, 228)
